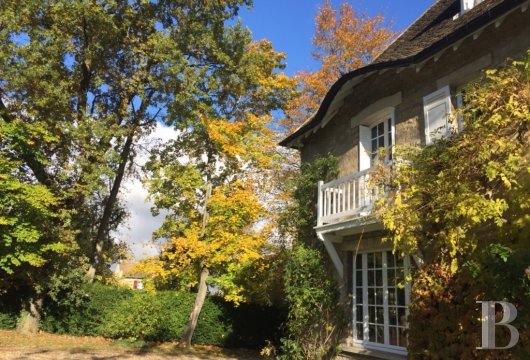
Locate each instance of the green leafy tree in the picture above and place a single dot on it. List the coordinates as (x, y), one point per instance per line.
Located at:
(95, 77)
(84, 81)
(34, 234)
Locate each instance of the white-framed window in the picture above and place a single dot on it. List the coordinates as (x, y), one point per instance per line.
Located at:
(376, 132)
(437, 114)
(381, 297)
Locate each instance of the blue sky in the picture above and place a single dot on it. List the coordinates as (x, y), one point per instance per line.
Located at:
(289, 24)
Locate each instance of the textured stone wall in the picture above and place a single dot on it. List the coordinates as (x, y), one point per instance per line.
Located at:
(454, 68)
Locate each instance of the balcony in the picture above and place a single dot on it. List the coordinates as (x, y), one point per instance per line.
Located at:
(345, 198)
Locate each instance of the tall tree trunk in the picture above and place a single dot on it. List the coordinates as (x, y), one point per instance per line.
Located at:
(103, 228)
(203, 287)
(30, 320)
(197, 307)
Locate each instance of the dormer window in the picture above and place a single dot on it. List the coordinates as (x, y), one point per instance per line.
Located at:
(466, 5)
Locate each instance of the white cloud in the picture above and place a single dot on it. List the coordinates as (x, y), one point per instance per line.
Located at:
(138, 229)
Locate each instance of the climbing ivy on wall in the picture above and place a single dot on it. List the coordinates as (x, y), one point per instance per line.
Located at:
(463, 204)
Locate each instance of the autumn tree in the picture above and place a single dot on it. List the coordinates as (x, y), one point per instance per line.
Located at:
(344, 40)
(212, 179)
(84, 81)
(461, 205)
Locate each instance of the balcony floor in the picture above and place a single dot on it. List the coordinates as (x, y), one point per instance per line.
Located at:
(350, 226)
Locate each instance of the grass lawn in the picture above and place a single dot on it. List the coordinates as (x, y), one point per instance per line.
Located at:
(45, 346)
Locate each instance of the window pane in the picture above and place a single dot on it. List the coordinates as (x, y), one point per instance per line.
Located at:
(371, 331)
(370, 261)
(392, 314)
(371, 296)
(371, 314)
(359, 313)
(392, 297)
(359, 278)
(402, 317)
(359, 295)
(402, 337)
(381, 128)
(393, 336)
(380, 318)
(390, 259)
(401, 296)
(379, 296)
(360, 331)
(391, 277)
(371, 275)
(378, 260)
(379, 278)
(382, 141)
(374, 132)
(399, 258)
(400, 277)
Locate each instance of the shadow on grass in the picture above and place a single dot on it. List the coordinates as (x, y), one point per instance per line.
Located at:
(133, 347)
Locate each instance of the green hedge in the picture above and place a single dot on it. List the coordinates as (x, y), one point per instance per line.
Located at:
(9, 310)
(121, 313)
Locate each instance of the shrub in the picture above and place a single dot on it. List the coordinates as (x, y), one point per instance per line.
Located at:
(116, 312)
(316, 319)
(8, 321)
(140, 316)
(86, 318)
(445, 303)
(9, 311)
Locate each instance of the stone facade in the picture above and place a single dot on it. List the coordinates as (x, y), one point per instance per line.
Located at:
(454, 68)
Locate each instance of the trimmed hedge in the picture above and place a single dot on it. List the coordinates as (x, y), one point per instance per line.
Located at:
(9, 311)
(116, 312)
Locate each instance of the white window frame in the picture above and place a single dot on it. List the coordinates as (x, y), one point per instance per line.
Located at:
(365, 143)
(440, 96)
(365, 343)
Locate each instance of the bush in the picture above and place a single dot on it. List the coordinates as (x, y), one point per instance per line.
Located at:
(8, 321)
(9, 311)
(85, 319)
(115, 312)
(445, 303)
(316, 319)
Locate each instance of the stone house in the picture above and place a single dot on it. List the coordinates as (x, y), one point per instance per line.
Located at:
(404, 97)
(125, 274)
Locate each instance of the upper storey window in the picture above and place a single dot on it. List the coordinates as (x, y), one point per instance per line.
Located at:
(376, 133)
(437, 113)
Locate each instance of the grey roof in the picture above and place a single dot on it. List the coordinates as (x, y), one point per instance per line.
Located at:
(437, 28)
(434, 25)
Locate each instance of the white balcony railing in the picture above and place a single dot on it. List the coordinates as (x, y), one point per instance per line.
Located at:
(347, 197)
